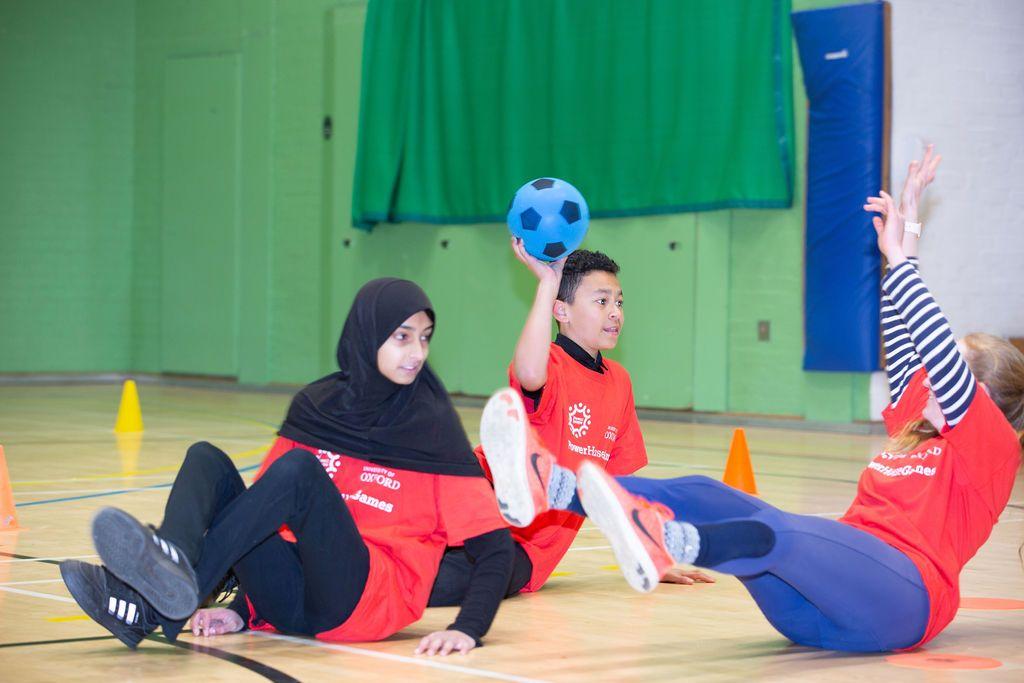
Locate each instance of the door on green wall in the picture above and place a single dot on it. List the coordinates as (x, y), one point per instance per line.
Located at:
(343, 259)
(199, 298)
(657, 258)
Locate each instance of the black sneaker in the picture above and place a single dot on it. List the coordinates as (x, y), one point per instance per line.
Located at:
(153, 566)
(110, 602)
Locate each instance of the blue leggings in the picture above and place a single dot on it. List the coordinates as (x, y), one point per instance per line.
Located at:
(825, 584)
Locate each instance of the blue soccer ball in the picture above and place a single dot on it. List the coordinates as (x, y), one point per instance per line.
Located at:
(550, 216)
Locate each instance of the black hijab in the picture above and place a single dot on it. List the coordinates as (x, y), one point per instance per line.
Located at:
(359, 412)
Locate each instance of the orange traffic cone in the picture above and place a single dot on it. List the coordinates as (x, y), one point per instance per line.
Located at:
(8, 515)
(739, 473)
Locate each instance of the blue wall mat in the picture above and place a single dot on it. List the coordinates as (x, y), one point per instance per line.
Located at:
(842, 51)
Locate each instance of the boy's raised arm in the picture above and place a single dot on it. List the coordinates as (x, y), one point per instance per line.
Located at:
(530, 361)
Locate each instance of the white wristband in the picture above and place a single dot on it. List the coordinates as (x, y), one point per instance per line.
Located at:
(912, 228)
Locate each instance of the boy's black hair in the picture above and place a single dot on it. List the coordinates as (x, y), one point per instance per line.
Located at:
(578, 264)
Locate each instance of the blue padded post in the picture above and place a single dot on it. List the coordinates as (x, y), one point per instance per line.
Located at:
(842, 51)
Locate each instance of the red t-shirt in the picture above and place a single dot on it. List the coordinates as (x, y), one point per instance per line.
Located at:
(938, 504)
(582, 415)
(406, 519)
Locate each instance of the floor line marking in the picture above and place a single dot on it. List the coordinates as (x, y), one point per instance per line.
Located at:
(256, 667)
(252, 452)
(61, 641)
(64, 492)
(25, 583)
(455, 668)
(34, 594)
(417, 661)
(40, 482)
(115, 492)
(49, 559)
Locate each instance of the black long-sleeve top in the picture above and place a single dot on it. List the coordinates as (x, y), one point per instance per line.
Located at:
(492, 555)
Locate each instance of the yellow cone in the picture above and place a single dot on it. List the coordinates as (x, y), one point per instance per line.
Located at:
(129, 414)
(739, 473)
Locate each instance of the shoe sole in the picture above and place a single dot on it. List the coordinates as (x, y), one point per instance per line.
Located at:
(123, 546)
(83, 596)
(603, 508)
(503, 435)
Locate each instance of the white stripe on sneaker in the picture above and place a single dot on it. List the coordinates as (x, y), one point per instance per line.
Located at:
(166, 548)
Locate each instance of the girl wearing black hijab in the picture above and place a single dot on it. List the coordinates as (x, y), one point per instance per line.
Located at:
(341, 534)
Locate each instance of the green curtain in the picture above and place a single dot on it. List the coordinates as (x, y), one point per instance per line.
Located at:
(647, 106)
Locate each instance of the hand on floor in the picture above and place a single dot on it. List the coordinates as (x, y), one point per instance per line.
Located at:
(445, 642)
(215, 621)
(686, 578)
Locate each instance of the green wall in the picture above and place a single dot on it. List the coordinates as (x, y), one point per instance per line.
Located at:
(283, 202)
(65, 184)
(187, 36)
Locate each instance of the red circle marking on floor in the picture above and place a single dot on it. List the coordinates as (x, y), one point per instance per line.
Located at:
(939, 660)
(990, 603)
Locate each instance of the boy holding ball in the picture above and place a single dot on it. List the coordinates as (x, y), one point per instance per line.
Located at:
(580, 405)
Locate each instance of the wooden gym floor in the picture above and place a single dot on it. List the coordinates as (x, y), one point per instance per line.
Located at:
(586, 624)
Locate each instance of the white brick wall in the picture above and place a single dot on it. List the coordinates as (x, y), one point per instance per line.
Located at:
(958, 81)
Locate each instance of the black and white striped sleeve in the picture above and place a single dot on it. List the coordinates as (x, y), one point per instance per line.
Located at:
(951, 379)
(901, 359)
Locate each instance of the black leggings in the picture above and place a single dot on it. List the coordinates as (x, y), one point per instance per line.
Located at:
(306, 587)
(452, 582)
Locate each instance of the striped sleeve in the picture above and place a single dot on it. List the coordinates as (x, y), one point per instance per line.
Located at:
(951, 380)
(901, 359)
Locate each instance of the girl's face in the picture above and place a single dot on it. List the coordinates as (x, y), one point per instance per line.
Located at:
(401, 357)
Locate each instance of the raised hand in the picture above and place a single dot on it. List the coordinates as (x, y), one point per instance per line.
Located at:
(920, 174)
(889, 230)
(549, 273)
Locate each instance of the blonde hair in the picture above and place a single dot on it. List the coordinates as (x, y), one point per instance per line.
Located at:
(997, 364)
(912, 435)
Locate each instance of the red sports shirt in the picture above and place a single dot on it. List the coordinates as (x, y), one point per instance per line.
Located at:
(582, 415)
(938, 504)
(406, 519)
